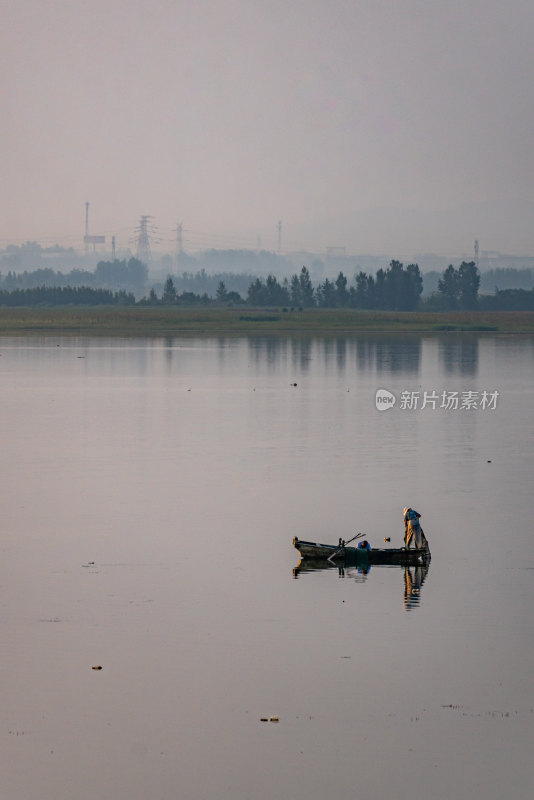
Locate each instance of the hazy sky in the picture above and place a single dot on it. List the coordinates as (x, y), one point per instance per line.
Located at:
(385, 126)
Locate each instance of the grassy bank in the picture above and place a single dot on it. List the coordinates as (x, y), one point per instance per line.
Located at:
(168, 321)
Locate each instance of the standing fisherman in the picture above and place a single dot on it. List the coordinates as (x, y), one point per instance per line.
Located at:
(413, 530)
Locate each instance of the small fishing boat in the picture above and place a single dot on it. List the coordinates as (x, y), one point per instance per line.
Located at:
(343, 554)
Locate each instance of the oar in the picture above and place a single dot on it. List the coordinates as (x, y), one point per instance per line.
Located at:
(343, 546)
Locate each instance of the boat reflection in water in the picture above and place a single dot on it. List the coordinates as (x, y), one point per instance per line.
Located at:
(414, 576)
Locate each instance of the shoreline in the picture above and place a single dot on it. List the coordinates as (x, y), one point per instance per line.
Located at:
(247, 321)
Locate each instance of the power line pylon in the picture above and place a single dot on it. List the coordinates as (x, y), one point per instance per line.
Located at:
(143, 239)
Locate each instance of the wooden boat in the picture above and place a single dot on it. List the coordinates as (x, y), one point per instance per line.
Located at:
(353, 556)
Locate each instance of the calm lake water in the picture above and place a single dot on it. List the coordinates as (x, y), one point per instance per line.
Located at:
(150, 492)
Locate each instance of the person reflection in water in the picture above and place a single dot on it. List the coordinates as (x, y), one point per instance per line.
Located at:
(412, 586)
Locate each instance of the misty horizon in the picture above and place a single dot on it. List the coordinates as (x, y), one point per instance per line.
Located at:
(392, 128)
(33, 255)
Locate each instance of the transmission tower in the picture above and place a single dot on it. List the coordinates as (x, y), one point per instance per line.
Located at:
(279, 236)
(476, 252)
(143, 239)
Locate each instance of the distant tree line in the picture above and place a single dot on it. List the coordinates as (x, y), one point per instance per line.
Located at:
(204, 283)
(129, 276)
(64, 266)
(30, 265)
(396, 288)
(507, 300)
(170, 296)
(493, 280)
(65, 295)
(459, 289)
(45, 277)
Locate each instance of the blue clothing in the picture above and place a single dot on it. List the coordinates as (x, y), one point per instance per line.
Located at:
(412, 516)
(364, 546)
